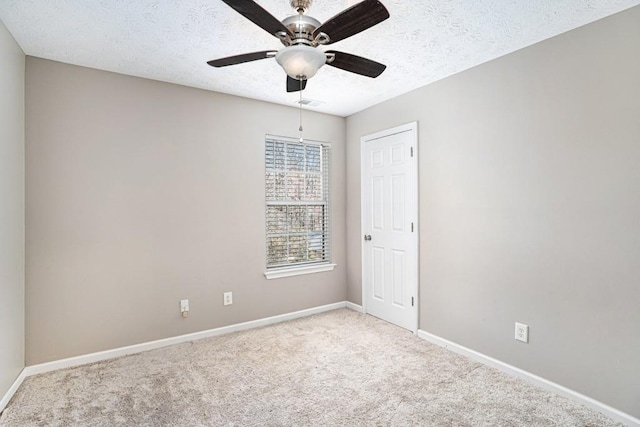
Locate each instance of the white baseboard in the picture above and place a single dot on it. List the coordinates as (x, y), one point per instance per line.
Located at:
(138, 348)
(12, 390)
(354, 307)
(609, 411)
(152, 345)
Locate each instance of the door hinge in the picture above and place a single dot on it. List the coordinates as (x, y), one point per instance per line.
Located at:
(412, 227)
(411, 301)
(411, 151)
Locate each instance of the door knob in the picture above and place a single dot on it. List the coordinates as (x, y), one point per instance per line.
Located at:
(367, 237)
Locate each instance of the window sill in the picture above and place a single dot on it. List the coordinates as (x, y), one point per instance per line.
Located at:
(297, 271)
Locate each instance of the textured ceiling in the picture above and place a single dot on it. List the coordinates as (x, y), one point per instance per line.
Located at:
(171, 40)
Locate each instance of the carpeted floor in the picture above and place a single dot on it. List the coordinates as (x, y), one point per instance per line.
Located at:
(339, 368)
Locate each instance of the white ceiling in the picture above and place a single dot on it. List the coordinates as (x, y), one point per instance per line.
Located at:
(171, 40)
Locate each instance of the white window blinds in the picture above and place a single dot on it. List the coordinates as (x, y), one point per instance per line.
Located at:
(297, 202)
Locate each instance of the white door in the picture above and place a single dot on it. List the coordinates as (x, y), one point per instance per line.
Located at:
(389, 225)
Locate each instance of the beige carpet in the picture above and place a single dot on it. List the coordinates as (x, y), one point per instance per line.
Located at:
(339, 368)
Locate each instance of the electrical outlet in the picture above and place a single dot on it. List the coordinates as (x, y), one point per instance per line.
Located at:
(228, 298)
(184, 307)
(522, 332)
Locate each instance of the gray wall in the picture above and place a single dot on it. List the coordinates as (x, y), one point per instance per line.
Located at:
(11, 210)
(529, 172)
(141, 193)
(530, 207)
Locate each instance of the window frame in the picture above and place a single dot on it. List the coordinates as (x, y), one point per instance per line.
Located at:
(308, 267)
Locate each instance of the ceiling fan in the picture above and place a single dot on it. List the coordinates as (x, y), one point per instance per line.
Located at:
(301, 35)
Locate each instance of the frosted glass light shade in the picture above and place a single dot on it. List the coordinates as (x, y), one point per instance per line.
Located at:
(301, 61)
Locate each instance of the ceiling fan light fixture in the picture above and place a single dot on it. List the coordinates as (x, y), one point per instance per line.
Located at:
(301, 61)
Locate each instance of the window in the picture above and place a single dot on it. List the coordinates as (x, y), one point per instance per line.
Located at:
(297, 204)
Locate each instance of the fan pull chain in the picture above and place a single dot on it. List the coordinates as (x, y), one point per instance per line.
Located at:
(300, 102)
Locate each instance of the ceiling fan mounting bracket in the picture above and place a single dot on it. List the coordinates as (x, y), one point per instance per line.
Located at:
(321, 38)
(284, 37)
(301, 6)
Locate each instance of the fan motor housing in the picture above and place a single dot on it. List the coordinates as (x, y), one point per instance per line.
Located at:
(302, 26)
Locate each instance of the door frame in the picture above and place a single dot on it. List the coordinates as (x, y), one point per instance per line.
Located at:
(409, 127)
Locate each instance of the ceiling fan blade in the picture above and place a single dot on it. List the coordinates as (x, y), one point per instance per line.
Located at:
(356, 64)
(353, 20)
(239, 59)
(256, 14)
(293, 85)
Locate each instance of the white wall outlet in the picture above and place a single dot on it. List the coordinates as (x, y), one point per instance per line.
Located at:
(228, 298)
(522, 332)
(184, 307)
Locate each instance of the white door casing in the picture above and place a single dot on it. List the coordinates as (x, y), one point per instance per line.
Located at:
(389, 195)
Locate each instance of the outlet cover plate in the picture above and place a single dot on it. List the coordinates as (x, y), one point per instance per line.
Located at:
(522, 332)
(228, 298)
